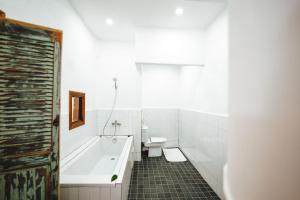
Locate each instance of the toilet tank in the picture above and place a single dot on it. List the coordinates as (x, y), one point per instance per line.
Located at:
(145, 133)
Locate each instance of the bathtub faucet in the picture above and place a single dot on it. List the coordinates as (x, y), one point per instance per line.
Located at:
(115, 124)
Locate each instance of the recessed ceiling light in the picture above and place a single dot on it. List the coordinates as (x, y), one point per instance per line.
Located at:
(179, 11)
(109, 21)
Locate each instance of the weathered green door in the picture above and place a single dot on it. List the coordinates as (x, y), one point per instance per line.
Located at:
(29, 110)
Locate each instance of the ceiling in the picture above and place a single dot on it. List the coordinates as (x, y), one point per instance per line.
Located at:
(129, 14)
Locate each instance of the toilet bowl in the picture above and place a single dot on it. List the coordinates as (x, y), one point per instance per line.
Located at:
(154, 144)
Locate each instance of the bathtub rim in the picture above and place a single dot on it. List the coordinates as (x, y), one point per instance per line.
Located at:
(92, 180)
(121, 166)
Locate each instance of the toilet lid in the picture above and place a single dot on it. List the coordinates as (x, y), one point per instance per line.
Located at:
(158, 139)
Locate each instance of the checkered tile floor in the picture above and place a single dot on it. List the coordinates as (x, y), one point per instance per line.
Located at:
(155, 178)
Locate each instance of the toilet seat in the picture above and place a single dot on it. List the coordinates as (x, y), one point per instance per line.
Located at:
(155, 141)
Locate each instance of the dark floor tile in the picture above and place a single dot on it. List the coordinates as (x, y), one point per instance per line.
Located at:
(157, 179)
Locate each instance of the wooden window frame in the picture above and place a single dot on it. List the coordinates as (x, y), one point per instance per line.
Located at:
(81, 122)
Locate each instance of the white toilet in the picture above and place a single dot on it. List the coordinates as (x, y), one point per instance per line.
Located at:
(154, 144)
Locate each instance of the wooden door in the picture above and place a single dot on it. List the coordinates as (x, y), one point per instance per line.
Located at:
(29, 110)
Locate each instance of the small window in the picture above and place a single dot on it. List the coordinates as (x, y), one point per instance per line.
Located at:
(76, 109)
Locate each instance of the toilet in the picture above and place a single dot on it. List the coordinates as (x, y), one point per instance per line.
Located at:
(154, 144)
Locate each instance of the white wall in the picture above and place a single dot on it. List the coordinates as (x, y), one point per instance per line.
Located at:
(203, 114)
(202, 138)
(162, 122)
(188, 87)
(169, 46)
(116, 59)
(191, 78)
(160, 85)
(263, 157)
(206, 88)
(78, 59)
(194, 89)
(160, 101)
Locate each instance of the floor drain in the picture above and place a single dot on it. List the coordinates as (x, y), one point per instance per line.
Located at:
(112, 159)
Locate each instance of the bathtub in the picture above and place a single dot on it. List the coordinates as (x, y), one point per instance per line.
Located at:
(99, 169)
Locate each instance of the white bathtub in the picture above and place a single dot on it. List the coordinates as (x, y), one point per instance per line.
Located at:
(86, 174)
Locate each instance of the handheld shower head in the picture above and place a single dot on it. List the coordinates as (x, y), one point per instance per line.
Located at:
(113, 106)
(115, 80)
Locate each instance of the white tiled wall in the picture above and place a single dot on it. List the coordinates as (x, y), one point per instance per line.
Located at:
(202, 137)
(130, 120)
(162, 122)
(70, 140)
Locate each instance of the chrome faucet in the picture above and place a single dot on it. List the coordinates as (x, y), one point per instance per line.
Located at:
(115, 124)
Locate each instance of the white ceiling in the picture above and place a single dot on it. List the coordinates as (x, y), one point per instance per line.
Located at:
(128, 14)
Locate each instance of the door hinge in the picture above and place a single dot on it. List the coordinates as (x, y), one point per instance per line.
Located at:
(56, 121)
